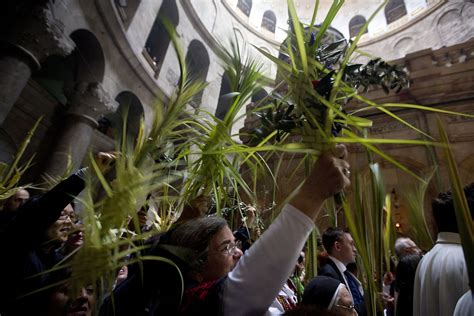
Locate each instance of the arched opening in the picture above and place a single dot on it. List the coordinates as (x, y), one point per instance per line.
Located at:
(269, 21)
(355, 24)
(245, 6)
(394, 10)
(158, 40)
(130, 110)
(127, 10)
(198, 62)
(88, 57)
(225, 101)
(85, 64)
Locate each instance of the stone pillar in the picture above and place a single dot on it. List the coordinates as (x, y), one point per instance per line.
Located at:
(37, 35)
(87, 103)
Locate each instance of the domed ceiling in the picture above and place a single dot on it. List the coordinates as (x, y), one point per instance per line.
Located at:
(397, 14)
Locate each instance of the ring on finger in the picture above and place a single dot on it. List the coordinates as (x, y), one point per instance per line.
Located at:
(346, 172)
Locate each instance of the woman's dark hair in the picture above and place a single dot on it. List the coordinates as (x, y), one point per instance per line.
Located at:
(195, 235)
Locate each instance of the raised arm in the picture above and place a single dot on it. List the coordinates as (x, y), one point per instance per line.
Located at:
(35, 216)
(259, 275)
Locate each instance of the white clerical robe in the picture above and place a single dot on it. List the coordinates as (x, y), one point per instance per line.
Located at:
(441, 278)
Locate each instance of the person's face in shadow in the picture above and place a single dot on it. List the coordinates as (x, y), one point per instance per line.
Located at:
(61, 304)
(60, 229)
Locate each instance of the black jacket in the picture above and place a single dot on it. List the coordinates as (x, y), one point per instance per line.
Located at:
(23, 260)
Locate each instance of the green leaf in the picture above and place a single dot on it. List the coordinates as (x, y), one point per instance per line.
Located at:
(461, 207)
(298, 32)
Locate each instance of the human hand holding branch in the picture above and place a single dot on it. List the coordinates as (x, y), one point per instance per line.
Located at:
(329, 176)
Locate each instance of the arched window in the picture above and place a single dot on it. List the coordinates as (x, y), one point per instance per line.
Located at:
(225, 101)
(198, 62)
(130, 109)
(269, 21)
(86, 63)
(394, 10)
(245, 6)
(158, 40)
(127, 10)
(355, 24)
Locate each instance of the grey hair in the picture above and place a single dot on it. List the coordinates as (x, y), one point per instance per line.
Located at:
(401, 245)
(195, 234)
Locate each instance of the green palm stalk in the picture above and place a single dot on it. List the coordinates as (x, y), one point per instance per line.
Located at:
(139, 169)
(368, 219)
(10, 174)
(217, 170)
(414, 195)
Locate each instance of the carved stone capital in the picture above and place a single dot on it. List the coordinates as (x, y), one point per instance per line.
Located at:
(91, 101)
(41, 33)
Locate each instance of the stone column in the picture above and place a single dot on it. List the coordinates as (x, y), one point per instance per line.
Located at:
(87, 103)
(36, 36)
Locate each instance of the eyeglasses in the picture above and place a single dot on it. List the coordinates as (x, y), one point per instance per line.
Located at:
(65, 216)
(232, 248)
(350, 307)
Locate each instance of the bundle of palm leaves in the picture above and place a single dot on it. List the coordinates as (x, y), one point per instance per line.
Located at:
(185, 155)
(319, 82)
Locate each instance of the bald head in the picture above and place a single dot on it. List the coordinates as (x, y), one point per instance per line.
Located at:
(405, 246)
(16, 200)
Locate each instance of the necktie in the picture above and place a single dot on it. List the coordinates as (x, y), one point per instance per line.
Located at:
(354, 288)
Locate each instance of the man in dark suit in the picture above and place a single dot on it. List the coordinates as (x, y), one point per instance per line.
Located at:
(341, 250)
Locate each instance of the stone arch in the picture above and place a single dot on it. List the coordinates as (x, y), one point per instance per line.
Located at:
(240, 37)
(130, 108)
(269, 21)
(57, 73)
(86, 63)
(355, 24)
(451, 27)
(88, 57)
(394, 10)
(245, 6)
(403, 46)
(158, 40)
(358, 58)
(198, 61)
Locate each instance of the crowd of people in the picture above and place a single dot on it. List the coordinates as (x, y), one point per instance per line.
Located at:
(226, 272)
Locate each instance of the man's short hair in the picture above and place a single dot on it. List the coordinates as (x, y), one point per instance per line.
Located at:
(443, 209)
(330, 236)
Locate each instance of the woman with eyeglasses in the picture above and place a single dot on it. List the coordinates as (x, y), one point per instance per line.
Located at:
(219, 278)
(40, 227)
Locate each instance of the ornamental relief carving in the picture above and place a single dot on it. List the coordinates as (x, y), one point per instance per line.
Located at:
(383, 128)
(43, 34)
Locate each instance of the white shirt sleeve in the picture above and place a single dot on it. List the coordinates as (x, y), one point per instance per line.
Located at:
(259, 275)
